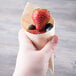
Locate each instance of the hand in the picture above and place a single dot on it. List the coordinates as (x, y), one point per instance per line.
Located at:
(30, 61)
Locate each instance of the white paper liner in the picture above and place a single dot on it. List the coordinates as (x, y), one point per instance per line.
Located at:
(41, 39)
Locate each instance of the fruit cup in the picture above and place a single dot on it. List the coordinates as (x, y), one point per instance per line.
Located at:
(38, 39)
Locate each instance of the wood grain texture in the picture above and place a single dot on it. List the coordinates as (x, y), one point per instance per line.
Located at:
(64, 12)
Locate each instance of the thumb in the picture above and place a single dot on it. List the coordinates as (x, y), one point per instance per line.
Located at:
(50, 46)
(24, 41)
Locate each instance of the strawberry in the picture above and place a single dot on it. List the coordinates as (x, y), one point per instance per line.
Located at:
(40, 18)
(34, 31)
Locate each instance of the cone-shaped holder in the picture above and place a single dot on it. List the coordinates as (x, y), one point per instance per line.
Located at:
(39, 39)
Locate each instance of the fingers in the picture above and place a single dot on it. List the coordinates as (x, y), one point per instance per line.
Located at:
(50, 46)
(54, 42)
(24, 41)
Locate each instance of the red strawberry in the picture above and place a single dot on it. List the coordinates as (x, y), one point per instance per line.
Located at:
(42, 31)
(40, 18)
(34, 31)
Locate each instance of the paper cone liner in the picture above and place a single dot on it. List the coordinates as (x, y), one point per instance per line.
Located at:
(39, 39)
(51, 64)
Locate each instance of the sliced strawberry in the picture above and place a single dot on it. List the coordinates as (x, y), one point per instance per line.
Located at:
(34, 31)
(42, 31)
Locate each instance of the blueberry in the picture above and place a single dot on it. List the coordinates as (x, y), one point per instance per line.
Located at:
(32, 27)
(48, 27)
